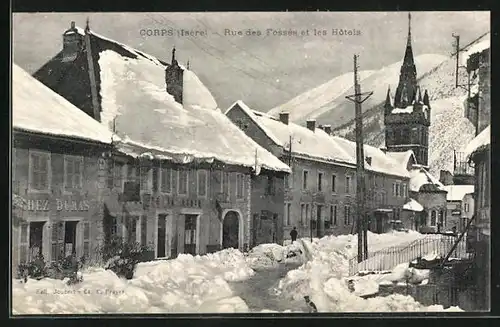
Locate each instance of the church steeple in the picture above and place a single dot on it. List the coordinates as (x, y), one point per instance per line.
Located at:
(408, 74)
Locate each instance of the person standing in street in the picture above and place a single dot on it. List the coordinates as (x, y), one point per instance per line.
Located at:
(293, 234)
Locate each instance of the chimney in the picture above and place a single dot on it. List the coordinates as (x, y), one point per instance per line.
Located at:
(368, 160)
(284, 117)
(311, 124)
(327, 129)
(73, 25)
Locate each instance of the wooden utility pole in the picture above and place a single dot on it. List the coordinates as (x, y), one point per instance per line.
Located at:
(358, 98)
(457, 56)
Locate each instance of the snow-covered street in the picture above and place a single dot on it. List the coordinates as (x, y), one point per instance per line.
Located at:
(260, 292)
(270, 278)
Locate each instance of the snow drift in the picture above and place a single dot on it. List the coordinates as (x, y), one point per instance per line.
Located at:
(323, 278)
(186, 284)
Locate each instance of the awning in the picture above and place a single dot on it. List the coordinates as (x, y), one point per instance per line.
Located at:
(413, 205)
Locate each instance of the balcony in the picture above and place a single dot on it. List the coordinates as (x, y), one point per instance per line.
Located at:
(223, 201)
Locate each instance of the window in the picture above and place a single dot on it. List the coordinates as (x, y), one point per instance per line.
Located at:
(335, 215)
(240, 186)
(183, 182)
(145, 178)
(307, 213)
(304, 179)
(225, 182)
(131, 173)
(398, 189)
(347, 215)
(334, 184)
(270, 188)
(202, 183)
(110, 226)
(320, 182)
(166, 180)
(131, 228)
(348, 184)
(73, 167)
(405, 190)
(286, 219)
(393, 189)
(441, 218)
(39, 171)
(288, 181)
(117, 174)
(433, 218)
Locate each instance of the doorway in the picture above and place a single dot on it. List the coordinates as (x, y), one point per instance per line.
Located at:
(190, 229)
(70, 238)
(230, 230)
(319, 210)
(379, 222)
(36, 238)
(162, 235)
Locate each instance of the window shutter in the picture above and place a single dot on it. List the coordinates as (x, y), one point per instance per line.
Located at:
(86, 239)
(57, 241)
(79, 239)
(24, 243)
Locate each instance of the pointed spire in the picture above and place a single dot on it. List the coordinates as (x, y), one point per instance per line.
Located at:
(388, 98)
(87, 25)
(173, 56)
(408, 42)
(426, 98)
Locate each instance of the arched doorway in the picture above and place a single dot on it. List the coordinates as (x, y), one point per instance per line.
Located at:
(231, 230)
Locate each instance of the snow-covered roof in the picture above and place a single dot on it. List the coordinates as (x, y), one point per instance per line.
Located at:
(413, 205)
(134, 98)
(407, 110)
(480, 142)
(312, 144)
(457, 192)
(475, 48)
(36, 108)
(380, 162)
(402, 158)
(419, 176)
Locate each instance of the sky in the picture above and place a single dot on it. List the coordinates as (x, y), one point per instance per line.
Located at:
(263, 70)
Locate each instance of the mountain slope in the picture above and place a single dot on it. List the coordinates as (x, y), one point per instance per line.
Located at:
(449, 130)
(319, 103)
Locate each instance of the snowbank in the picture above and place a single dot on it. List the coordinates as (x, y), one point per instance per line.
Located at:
(186, 284)
(323, 277)
(269, 255)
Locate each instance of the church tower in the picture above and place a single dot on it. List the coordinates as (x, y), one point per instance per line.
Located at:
(407, 115)
(174, 79)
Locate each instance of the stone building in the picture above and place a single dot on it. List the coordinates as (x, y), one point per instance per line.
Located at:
(57, 181)
(176, 184)
(320, 194)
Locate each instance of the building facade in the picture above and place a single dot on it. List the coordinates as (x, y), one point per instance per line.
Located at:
(455, 212)
(320, 194)
(407, 116)
(173, 187)
(58, 181)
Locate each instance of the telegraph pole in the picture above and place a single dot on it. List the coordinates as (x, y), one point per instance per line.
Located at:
(457, 56)
(358, 98)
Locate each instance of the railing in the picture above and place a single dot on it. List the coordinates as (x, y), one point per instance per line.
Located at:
(436, 245)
